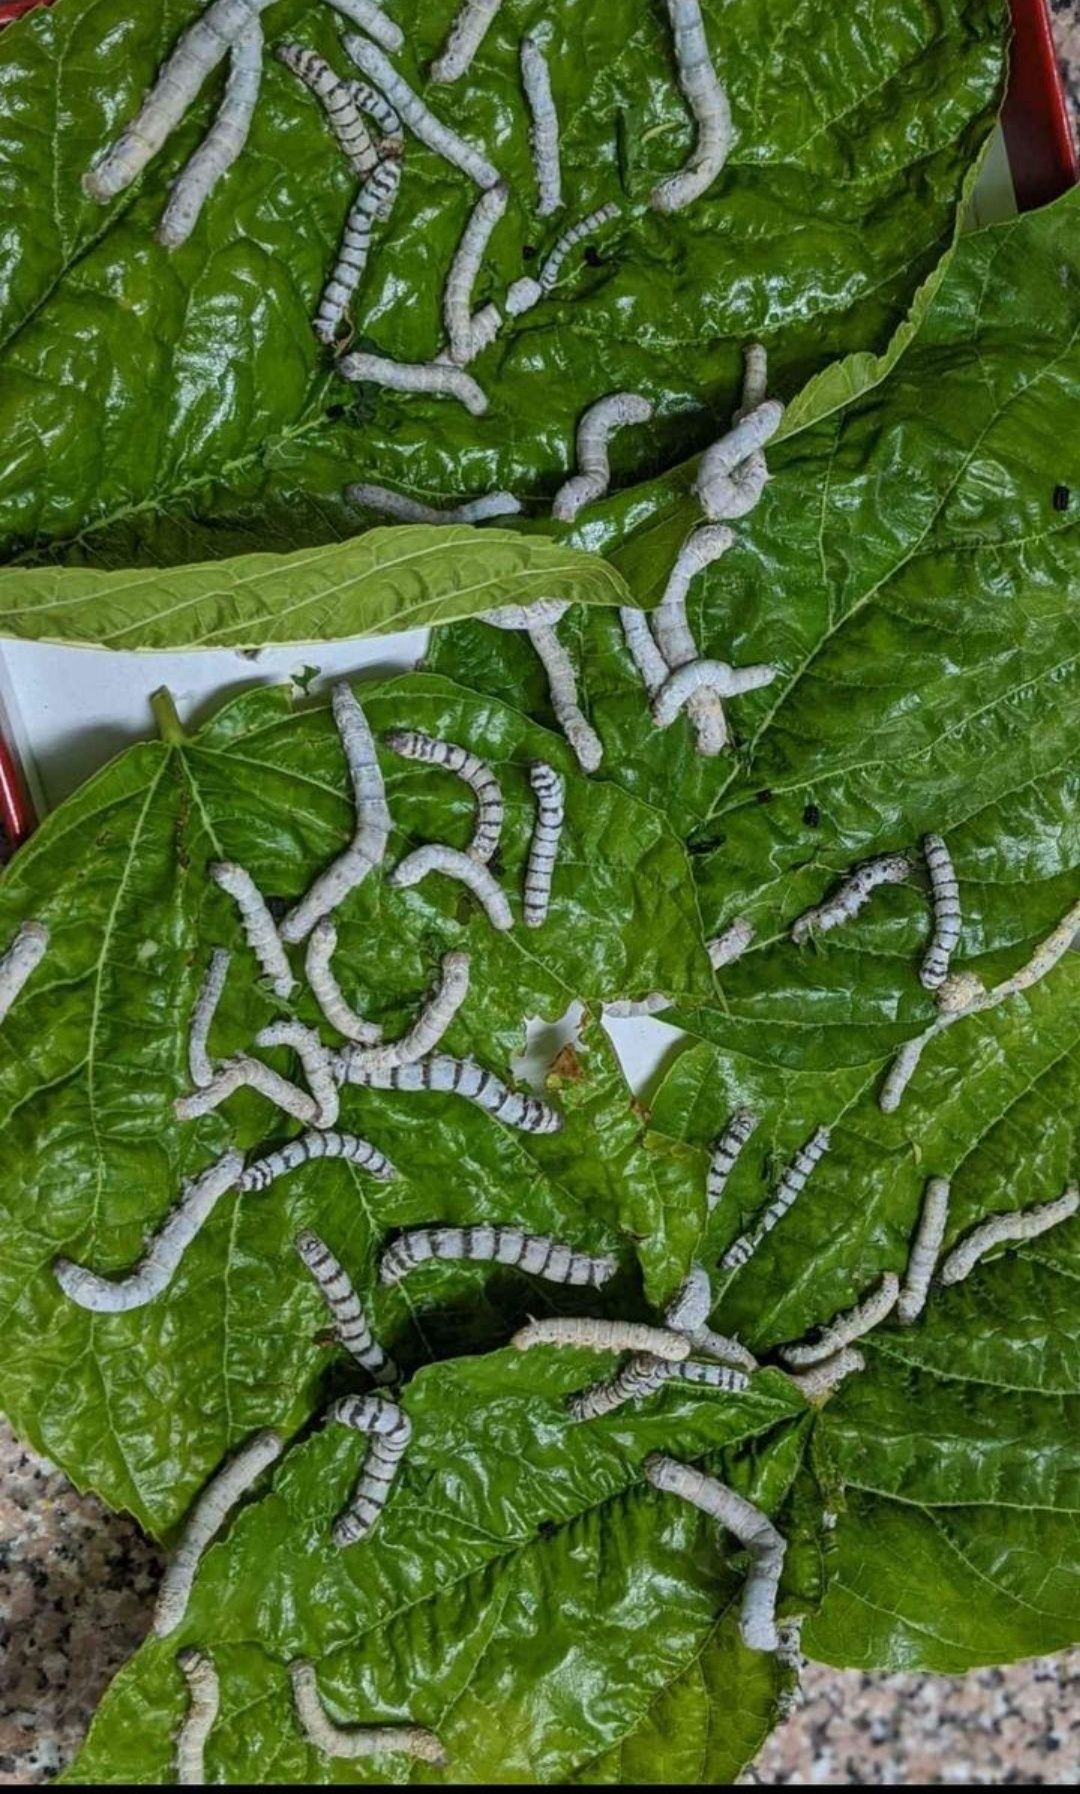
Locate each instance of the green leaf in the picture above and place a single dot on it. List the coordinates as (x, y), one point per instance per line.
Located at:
(159, 409)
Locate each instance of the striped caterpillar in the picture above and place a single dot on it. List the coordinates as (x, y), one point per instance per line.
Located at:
(374, 200)
(155, 1270)
(538, 621)
(847, 1327)
(725, 948)
(207, 1517)
(421, 122)
(200, 49)
(322, 944)
(732, 473)
(22, 958)
(549, 787)
(464, 271)
(339, 102)
(223, 143)
(535, 1253)
(356, 1741)
(686, 683)
(640, 1376)
(792, 1182)
(368, 845)
(1008, 1228)
(594, 432)
(200, 1066)
(244, 1072)
(712, 1376)
(439, 379)
(318, 1144)
(726, 1152)
(378, 107)
(850, 895)
(709, 104)
(258, 924)
(544, 126)
(427, 1030)
(754, 1531)
(466, 35)
(373, 20)
(316, 1061)
(675, 640)
(462, 1077)
(390, 1430)
(204, 1701)
(413, 744)
(945, 899)
(925, 1249)
(688, 1312)
(437, 857)
(821, 1379)
(602, 1336)
(409, 510)
(350, 1322)
(527, 292)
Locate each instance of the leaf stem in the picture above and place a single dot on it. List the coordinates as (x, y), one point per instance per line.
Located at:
(170, 728)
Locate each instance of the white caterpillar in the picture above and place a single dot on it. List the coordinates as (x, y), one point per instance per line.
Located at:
(925, 1250)
(543, 613)
(818, 1382)
(322, 943)
(725, 948)
(732, 473)
(709, 104)
(1043, 960)
(640, 1376)
(754, 1531)
(413, 744)
(244, 1072)
(726, 1350)
(536, 1253)
(355, 1741)
(709, 676)
(22, 958)
(339, 102)
(200, 49)
(549, 787)
(222, 144)
(390, 1430)
(318, 1144)
(902, 1069)
(421, 122)
(154, 1271)
(202, 1016)
(847, 1327)
(374, 200)
(688, 1312)
(562, 686)
(429, 1027)
(792, 1182)
(850, 895)
(602, 1336)
(484, 327)
(440, 379)
(219, 1497)
(373, 20)
(463, 1077)
(316, 1061)
(436, 857)
(466, 35)
(378, 107)
(945, 898)
(350, 1321)
(726, 1152)
(646, 656)
(675, 640)
(960, 994)
(204, 1701)
(465, 269)
(409, 510)
(1013, 1228)
(594, 432)
(544, 126)
(368, 845)
(258, 924)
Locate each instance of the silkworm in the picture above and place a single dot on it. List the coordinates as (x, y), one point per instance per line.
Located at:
(462, 1077)
(207, 1517)
(960, 994)
(552, 265)
(200, 49)
(222, 144)
(543, 613)
(154, 1271)
(674, 637)
(200, 1066)
(902, 1069)
(535, 1253)
(378, 107)
(258, 924)
(792, 1182)
(640, 1376)
(925, 1249)
(712, 1376)
(317, 1144)
(244, 1072)
(368, 845)
(421, 122)
(373, 20)
(594, 432)
(409, 510)
(1043, 960)
(850, 895)
(727, 1350)
(945, 899)
(316, 1061)
(790, 1660)
(204, 1701)
(522, 295)
(355, 1741)
(818, 1382)
(436, 857)
(465, 269)
(1011, 1228)
(690, 1305)
(847, 1327)
(429, 1027)
(754, 1531)
(543, 127)
(413, 744)
(725, 948)
(350, 1322)
(466, 35)
(22, 958)
(338, 100)
(322, 943)
(550, 788)
(646, 656)
(726, 1152)
(602, 1336)
(755, 379)
(390, 1430)
(374, 200)
(562, 685)
(711, 676)
(709, 104)
(731, 474)
(653, 1004)
(439, 379)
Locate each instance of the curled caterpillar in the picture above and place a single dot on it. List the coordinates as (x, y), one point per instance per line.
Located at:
(687, 682)
(925, 1250)
(322, 943)
(258, 924)
(321, 1143)
(709, 104)
(792, 1182)
(754, 1531)
(464, 270)
(339, 102)
(602, 1336)
(595, 430)
(204, 1701)
(549, 787)
(437, 857)
(731, 474)
(562, 687)
(821, 1379)
(413, 744)
(355, 1741)
(726, 1152)
(202, 1016)
(725, 948)
(350, 1321)
(222, 144)
(440, 379)
(675, 640)
(244, 1072)
(389, 1429)
(409, 510)
(461, 1077)
(850, 895)
(374, 200)
(368, 845)
(536, 1253)
(422, 122)
(207, 1517)
(22, 958)
(316, 1061)
(1009, 1228)
(847, 1327)
(639, 1377)
(429, 1027)
(466, 35)
(373, 20)
(945, 898)
(552, 265)
(544, 126)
